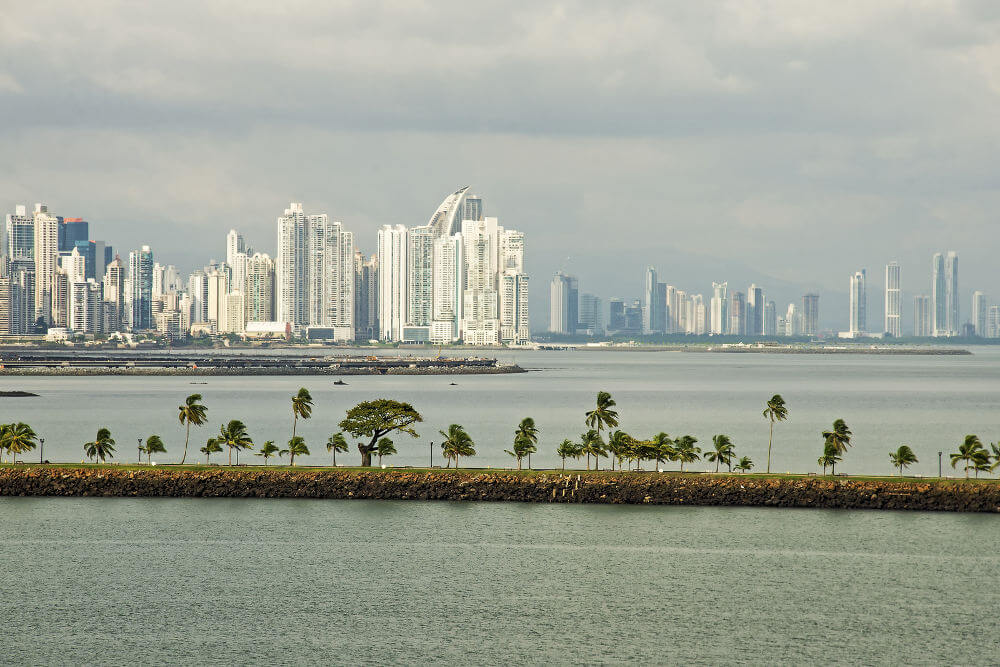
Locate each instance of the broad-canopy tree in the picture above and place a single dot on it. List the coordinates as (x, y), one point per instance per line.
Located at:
(902, 457)
(17, 439)
(376, 419)
(774, 410)
(102, 447)
(154, 445)
(192, 412)
(336, 443)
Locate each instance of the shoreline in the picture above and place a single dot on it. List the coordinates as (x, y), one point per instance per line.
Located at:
(291, 370)
(605, 487)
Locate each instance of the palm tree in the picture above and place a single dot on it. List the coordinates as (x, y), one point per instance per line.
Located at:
(384, 448)
(234, 436)
(744, 464)
(602, 416)
(663, 448)
(829, 458)
(302, 406)
(839, 438)
(528, 432)
(593, 445)
(685, 449)
(4, 429)
(457, 443)
(568, 448)
(154, 445)
(969, 451)
(192, 412)
(617, 447)
(723, 451)
(774, 410)
(267, 450)
(296, 447)
(520, 449)
(18, 438)
(336, 443)
(981, 462)
(902, 458)
(102, 447)
(996, 456)
(211, 447)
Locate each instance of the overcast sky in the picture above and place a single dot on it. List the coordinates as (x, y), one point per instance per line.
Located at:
(788, 143)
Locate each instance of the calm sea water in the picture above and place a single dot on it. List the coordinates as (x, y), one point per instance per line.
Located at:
(184, 581)
(928, 402)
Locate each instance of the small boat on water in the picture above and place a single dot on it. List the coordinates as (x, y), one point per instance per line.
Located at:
(340, 383)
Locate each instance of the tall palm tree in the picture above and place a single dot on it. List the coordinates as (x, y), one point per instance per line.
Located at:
(211, 447)
(969, 451)
(722, 452)
(302, 406)
(528, 432)
(618, 447)
(336, 443)
(154, 445)
(996, 455)
(4, 429)
(602, 416)
(664, 448)
(192, 412)
(568, 448)
(296, 447)
(685, 449)
(457, 443)
(267, 450)
(234, 436)
(830, 457)
(902, 458)
(744, 464)
(102, 447)
(520, 449)
(593, 445)
(839, 437)
(385, 447)
(19, 438)
(774, 410)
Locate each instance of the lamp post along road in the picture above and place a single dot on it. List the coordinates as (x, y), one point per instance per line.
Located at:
(432, 455)
(41, 449)
(140, 450)
(939, 463)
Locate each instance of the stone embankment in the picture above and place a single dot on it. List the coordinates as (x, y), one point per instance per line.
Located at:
(290, 370)
(400, 484)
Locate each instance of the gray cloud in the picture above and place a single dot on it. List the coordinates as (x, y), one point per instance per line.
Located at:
(769, 141)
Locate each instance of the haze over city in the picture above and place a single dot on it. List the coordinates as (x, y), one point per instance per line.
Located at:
(718, 141)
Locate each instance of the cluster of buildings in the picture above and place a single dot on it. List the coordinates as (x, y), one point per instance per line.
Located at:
(665, 309)
(460, 277)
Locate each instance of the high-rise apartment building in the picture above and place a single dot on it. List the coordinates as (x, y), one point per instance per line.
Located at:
(993, 322)
(719, 306)
(563, 304)
(114, 296)
(893, 301)
(810, 314)
(951, 289)
(980, 308)
(514, 324)
(46, 242)
(944, 294)
(591, 314)
(755, 311)
(366, 297)
(654, 304)
(480, 299)
(922, 316)
(260, 288)
(20, 238)
(449, 285)
(291, 267)
(770, 319)
(737, 314)
(140, 277)
(392, 289)
(420, 282)
(858, 323)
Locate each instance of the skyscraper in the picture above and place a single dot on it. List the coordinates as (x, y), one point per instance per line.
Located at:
(770, 319)
(365, 297)
(514, 324)
(331, 276)
(616, 314)
(140, 276)
(654, 313)
(755, 311)
(20, 235)
(922, 319)
(480, 299)
(72, 231)
(892, 300)
(951, 291)
(563, 304)
(114, 296)
(738, 314)
(46, 229)
(980, 307)
(719, 320)
(392, 288)
(591, 314)
(420, 278)
(447, 219)
(810, 314)
(291, 267)
(859, 303)
(448, 282)
(260, 288)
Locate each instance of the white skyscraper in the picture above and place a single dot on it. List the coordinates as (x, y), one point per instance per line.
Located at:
(419, 281)
(46, 233)
(514, 326)
(447, 219)
(480, 314)
(260, 288)
(859, 304)
(331, 276)
(449, 285)
(719, 320)
(980, 308)
(951, 290)
(234, 246)
(291, 271)
(893, 301)
(392, 282)
(793, 321)
(922, 316)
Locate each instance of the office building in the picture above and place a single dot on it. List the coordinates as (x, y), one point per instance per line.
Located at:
(140, 293)
(980, 308)
(922, 316)
(564, 304)
(392, 288)
(719, 306)
(810, 314)
(893, 301)
(738, 314)
(858, 314)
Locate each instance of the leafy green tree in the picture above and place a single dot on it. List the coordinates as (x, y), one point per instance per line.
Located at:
(902, 458)
(970, 451)
(378, 418)
(839, 437)
(102, 447)
(296, 447)
(527, 432)
(774, 410)
(302, 406)
(568, 449)
(234, 436)
(601, 417)
(722, 451)
(647, 450)
(830, 457)
(663, 448)
(457, 443)
(593, 445)
(192, 412)
(154, 445)
(211, 447)
(336, 443)
(685, 449)
(267, 450)
(744, 464)
(19, 438)
(384, 447)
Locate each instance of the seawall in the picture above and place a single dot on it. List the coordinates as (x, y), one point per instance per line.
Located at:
(478, 485)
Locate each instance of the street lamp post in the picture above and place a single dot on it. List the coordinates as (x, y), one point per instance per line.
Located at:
(432, 454)
(140, 450)
(41, 449)
(939, 463)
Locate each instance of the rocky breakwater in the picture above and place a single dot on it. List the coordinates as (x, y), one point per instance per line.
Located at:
(400, 484)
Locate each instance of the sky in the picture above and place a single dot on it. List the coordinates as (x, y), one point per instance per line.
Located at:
(783, 143)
